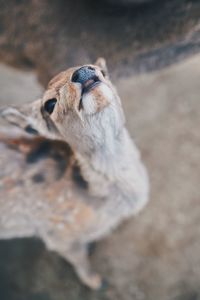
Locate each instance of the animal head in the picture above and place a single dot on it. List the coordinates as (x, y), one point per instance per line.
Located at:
(80, 106)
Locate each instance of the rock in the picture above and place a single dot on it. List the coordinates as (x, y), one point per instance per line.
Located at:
(128, 2)
(51, 36)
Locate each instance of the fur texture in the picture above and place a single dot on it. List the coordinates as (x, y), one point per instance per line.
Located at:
(43, 197)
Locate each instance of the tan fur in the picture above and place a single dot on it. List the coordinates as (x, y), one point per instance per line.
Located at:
(70, 196)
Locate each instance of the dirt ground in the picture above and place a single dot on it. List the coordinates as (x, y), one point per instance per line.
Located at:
(156, 255)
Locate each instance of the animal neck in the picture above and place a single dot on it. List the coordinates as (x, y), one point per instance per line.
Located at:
(109, 164)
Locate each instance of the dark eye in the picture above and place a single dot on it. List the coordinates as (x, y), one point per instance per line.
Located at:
(49, 105)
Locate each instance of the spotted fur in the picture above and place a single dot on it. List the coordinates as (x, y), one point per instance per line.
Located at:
(77, 177)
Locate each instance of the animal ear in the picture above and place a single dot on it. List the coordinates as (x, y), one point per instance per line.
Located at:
(27, 117)
(32, 118)
(101, 63)
(19, 117)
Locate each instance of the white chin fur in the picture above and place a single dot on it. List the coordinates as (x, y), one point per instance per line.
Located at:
(89, 104)
(106, 91)
(89, 101)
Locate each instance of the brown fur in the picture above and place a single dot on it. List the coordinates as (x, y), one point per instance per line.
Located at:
(70, 195)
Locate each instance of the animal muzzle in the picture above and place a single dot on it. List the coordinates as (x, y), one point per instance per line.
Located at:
(87, 77)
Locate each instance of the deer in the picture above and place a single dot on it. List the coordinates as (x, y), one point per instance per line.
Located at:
(70, 171)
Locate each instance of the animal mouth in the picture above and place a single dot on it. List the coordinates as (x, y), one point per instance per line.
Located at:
(90, 84)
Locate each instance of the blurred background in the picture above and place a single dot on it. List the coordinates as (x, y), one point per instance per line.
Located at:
(152, 48)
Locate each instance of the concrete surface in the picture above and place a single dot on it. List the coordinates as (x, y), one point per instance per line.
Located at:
(156, 255)
(18, 86)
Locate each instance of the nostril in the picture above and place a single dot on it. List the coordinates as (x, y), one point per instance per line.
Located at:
(75, 77)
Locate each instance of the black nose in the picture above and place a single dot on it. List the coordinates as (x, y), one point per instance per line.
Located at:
(83, 74)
